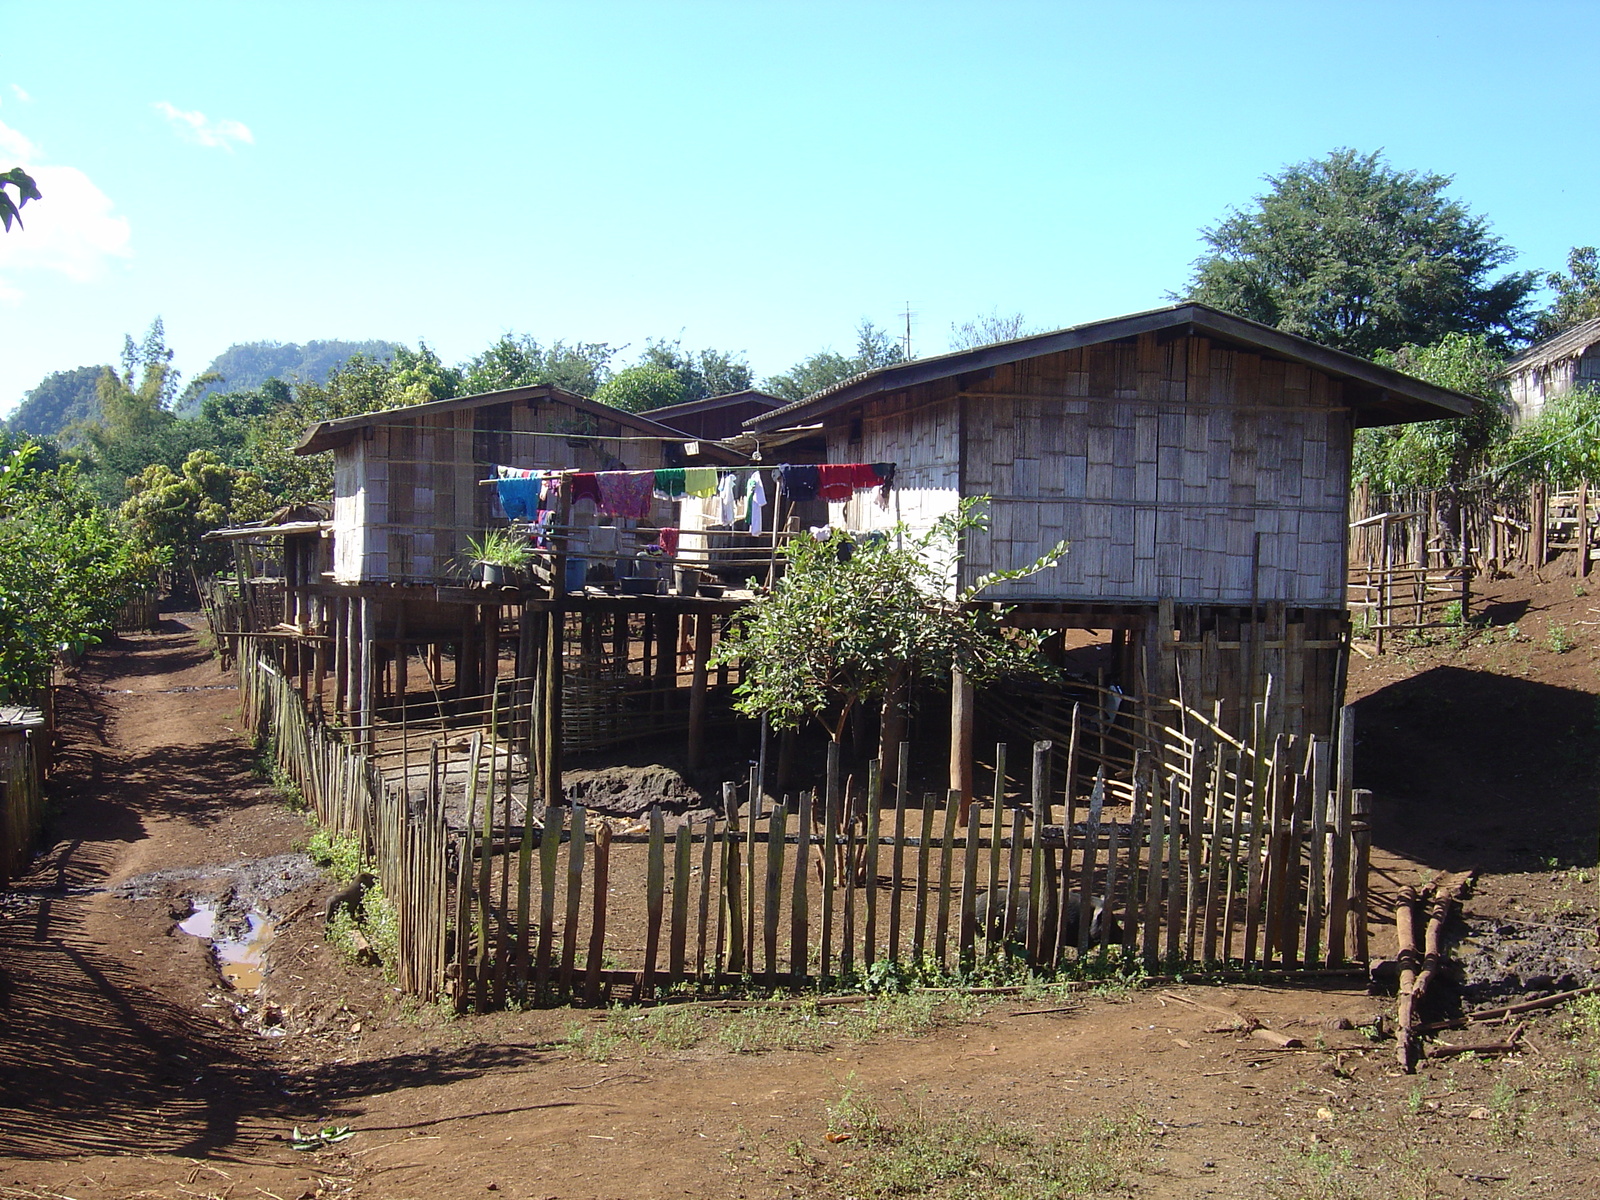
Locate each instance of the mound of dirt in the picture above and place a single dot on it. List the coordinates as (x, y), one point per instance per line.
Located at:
(1500, 961)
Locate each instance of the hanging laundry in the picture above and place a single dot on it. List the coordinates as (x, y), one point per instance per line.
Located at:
(585, 486)
(700, 482)
(863, 476)
(727, 498)
(520, 496)
(836, 481)
(798, 481)
(626, 493)
(669, 483)
(885, 473)
(755, 495)
(517, 472)
(668, 541)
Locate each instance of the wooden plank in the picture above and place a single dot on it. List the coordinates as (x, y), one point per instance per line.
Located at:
(1340, 889)
(654, 893)
(991, 944)
(897, 865)
(947, 848)
(757, 804)
(549, 847)
(919, 924)
(733, 890)
(597, 918)
(1194, 832)
(1015, 919)
(678, 943)
(569, 932)
(707, 861)
(1173, 907)
(1213, 865)
(830, 828)
(1039, 795)
(869, 946)
(1315, 916)
(1091, 850)
(847, 925)
(772, 895)
(969, 886)
(1136, 823)
(799, 902)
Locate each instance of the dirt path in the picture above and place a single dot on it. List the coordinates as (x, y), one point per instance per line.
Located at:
(127, 1070)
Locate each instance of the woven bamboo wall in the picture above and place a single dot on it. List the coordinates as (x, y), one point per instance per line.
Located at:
(407, 497)
(1160, 461)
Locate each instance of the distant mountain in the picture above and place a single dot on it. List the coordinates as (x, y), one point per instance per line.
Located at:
(61, 398)
(245, 366)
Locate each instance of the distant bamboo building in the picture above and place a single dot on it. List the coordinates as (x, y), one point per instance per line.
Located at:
(1553, 368)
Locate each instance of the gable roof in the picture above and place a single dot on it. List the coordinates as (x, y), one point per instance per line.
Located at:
(326, 435)
(1387, 397)
(1567, 344)
(666, 413)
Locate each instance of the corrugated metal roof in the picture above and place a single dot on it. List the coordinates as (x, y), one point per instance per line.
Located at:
(1563, 346)
(1403, 397)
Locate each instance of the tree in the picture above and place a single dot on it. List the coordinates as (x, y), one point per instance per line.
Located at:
(1561, 445)
(1577, 294)
(520, 361)
(170, 511)
(986, 329)
(874, 349)
(1437, 454)
(639, 389)
(701, 372)
(1351, 253)
(245, 366)
(842, 629)
(11, 210)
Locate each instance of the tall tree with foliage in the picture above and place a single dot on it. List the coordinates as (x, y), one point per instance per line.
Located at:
(875, 348)
(1577, 294)
(640, 388)
(701, 373)
(518, 360)
(170, 511)
(987, 328)
(1349, 252)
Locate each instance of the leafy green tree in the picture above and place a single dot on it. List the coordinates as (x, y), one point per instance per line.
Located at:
(170, 511)
(1351, 253)
(841, 630)
(65, 566)
(701, 372)
(1561, 444)
(1577, 294)
(639, 389)
(61, 399)
(246, 366)
(875, 348)
(520, 361)
(1436, 454)
(11, 210)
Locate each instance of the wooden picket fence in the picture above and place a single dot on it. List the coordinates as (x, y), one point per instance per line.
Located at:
(24, 737)
(1214, 849)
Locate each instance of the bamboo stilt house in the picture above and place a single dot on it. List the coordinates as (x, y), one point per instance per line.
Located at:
(1197, 463)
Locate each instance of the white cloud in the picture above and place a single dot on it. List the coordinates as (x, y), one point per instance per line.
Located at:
(200, 129)
(16, 89)
(71, 230)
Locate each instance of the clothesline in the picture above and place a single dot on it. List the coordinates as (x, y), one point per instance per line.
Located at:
(526, 492)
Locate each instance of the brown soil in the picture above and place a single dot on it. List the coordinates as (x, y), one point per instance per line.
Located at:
(127, 1069)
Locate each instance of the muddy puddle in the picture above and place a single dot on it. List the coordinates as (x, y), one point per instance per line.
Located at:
(241, 951)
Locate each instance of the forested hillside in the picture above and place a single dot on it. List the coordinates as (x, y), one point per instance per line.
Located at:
(245, 366)
(61, 399)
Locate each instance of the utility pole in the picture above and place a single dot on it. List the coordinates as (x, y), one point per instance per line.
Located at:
(905, 342)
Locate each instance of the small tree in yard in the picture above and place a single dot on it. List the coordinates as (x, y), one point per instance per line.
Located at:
(851, 624)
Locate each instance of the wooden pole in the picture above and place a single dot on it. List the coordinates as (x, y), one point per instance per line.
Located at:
(963, 719)
(697, 692)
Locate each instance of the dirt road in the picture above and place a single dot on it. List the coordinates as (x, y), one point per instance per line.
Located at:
(127, 1068)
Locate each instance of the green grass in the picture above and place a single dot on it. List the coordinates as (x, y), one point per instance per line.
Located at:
(1558, 639)
(911, 1151)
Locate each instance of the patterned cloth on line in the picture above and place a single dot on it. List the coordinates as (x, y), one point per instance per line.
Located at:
(626, 493)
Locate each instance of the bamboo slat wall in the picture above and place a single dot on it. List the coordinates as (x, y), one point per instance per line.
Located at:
(406, 498)
(1175, 468)
(21, 792)
(1213, 849)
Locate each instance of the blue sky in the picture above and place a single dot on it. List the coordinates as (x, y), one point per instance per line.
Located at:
(754, 176)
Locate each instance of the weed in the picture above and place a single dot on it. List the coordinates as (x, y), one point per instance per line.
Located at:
(1415, 1098)
(593, 1042)
(339, 855)
(912, 1152)
(1558, 639)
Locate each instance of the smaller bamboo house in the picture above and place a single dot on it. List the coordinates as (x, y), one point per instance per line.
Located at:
(1553, 368)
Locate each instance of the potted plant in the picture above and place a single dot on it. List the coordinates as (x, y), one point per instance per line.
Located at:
(498, 556)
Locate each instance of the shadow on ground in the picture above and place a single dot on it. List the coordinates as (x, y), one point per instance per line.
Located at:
(1474, 769)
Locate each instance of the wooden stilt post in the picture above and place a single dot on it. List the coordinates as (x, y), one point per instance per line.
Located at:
(368, 659)
(963, 710)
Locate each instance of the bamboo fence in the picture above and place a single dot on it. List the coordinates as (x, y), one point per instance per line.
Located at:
(21, 794)
(1214, 849)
